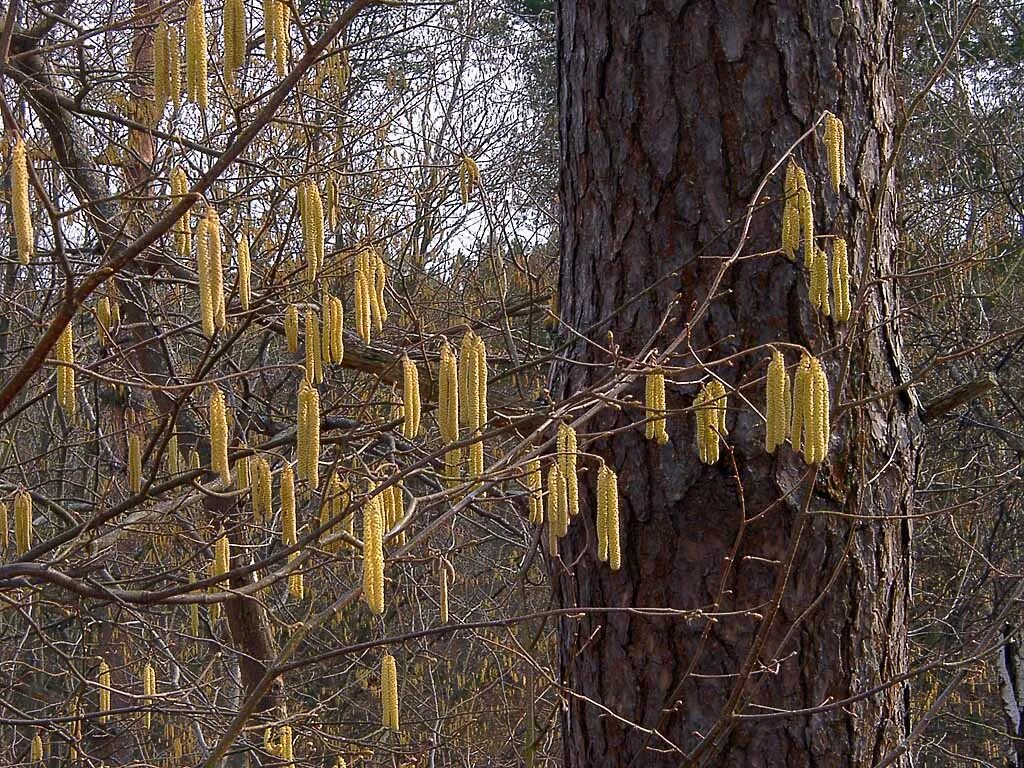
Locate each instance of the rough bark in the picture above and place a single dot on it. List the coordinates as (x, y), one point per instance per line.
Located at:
(671, 113)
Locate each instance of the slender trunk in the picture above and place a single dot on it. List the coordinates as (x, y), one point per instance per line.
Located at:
(671, 114)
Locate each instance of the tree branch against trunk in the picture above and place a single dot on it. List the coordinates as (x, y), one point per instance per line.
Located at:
(670, 117)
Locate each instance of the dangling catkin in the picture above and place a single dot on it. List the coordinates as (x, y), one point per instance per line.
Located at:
(174, 65)
(841, 279)
(469, 178)
(806, 217)
(234, 38)
(608, 547)
(534, 482)
(389, 692)
(269, 26)
(103, 681)
(314, 363)
(819, 282)
(66, 371)
(445, 579)
(22, 522)
(261, 491)
(337, 331)
(448, 395)
(800, 411)
(196, 53)
(567, 457)
(36, 749)
(149, 691)
(654, 401)
(286, 748)
(325, 327)
(289, 529)
(173, 455)
(835, 149)
(296, 582)
(378, 283)
(134, 463)
(791, 211)
(222, 555)
(244, 273)
(362, 299)
(219, 436)
(20, 205)
(777, 428)
(556, 513)
(161, 67)
(291, 328)
(411, 398)
(710, 405)
(308, 434)
(282, 37)
(816, 444)
(182, 233)
(373, 554)
(103, 322)
(215, 264)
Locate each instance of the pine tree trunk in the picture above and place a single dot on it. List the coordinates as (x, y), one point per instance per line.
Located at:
(671, 114)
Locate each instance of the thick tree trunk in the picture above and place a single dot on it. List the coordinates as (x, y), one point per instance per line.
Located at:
(671, 115)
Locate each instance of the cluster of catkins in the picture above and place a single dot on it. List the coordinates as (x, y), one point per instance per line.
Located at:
(798, 228)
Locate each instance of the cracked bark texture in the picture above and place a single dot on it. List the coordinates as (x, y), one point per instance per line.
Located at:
(671, 113)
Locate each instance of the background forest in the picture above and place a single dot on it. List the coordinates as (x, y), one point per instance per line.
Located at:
(187, 570)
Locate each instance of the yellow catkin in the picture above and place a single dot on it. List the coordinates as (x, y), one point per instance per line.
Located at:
(314, 361)
(36, 749)
(215, 264)
(389, 692)
(469, 178)
(373, 554)
(286, 746)
(568, 450)
(801, 396)
(608, 544)
(66, 372)
(20, 205)
(447, 579)
(602, 515)
(234, 38)
(269, 27)
(196, 53)
(296, 583)
(149, 691)
(710, 406)
(819, 292)
(221, 555)
(337, 340)
(806, 212)
(282, 38)
(289, 528)
(4, 528)
(182, 232)
(791, 211)
(835, 150)
(23, 522)
(134, 463)
(534, 482)
(174, 65)
(654, 401)
(161, 67)
(362, 300)
(308, 434)
(841, 279)
(313, 215)
(219, 436)
(777, 425)
(291, 328)
(378, 282)
(104, 326)
(207, 307)
(262, 492)
(556, 508)
(244, 273)
(816, 443)
(411, 398)
(103, 682)
(173, 455)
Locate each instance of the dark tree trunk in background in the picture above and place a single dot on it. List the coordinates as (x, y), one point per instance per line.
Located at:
(671, 114)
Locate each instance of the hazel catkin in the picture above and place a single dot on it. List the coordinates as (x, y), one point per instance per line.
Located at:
(410, 399)
(777, 425)
(219, 436)
(841, 279)
(654, 402)
(21, 207)
(23, 524)
(389, 692)
(373, 554)
(196, 53)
